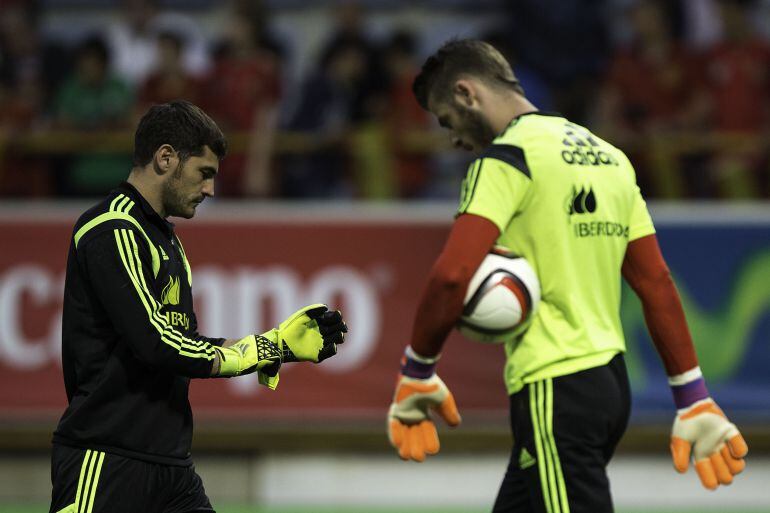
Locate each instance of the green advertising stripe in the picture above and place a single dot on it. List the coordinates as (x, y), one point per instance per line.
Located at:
(746, 302)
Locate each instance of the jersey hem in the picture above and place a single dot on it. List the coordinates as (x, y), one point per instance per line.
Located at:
(126, 453)
(563, 368)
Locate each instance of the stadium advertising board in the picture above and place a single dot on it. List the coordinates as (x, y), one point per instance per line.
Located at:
(249, 272)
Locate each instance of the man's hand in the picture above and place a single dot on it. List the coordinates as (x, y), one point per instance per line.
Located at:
(410, 427)
(310, 335)
(715, 443)
(249, 354)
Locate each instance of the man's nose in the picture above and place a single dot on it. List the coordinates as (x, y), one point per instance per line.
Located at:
(208, 188)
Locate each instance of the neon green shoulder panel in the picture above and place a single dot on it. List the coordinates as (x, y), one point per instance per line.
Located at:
(568, 202)
(113, 215)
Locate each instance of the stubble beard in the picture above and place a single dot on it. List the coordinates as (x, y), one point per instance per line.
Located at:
(173, 200)
(478, 128)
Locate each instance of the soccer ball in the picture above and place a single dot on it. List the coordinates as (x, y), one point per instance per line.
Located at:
(501, 299)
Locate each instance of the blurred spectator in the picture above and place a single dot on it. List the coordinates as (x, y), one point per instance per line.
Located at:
(27, 61)
(736, 88)
(404, 117)
(567, 42)
(343, 104)
(133, 40)
(647, 93)
(737, 73)
(170, 80)
(242, 94)
(535, 86)
(327, 105)
(29, 70)
(349, 30)
(259, 16)
(93, 99)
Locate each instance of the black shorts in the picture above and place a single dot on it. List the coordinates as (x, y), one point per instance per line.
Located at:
(565, 430)
(90, 481)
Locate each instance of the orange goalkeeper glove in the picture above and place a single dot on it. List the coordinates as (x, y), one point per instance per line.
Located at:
(701, 430)
(410, 427)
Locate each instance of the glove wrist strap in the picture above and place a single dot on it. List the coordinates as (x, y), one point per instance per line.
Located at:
(229, 362)
(688, 388)
(417, 366)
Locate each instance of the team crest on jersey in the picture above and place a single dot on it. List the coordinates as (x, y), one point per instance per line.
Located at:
(581, 201)
(170, 293)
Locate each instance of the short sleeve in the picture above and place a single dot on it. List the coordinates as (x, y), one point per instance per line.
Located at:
(496, 185)
(640, 224)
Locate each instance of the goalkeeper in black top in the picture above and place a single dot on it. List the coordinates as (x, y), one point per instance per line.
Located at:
(130, 341)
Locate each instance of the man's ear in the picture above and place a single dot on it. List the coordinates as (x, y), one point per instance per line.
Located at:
(166, 159)
(465, 92)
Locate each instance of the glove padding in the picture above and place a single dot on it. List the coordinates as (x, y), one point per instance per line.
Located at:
(716, 445)
(310, 335)
(410, 427)
(249, 354)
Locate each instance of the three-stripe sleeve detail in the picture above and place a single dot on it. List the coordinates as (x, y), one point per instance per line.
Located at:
(90, 471)
(128, 249)
(129, 253)
(549, 465)
(119, 208)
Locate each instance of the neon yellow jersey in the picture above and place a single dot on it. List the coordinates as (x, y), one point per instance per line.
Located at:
(568, 202)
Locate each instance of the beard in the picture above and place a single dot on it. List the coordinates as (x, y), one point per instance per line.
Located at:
(174, 200)
(478, 129)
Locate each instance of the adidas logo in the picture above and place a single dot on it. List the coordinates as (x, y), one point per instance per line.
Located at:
(581, 201)
(163, 253)
(525, 459)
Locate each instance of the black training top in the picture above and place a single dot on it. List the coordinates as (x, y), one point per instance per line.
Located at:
(129, 334)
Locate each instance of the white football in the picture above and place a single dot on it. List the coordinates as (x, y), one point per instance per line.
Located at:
(502, 298)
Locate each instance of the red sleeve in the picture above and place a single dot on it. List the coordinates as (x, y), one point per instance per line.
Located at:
(646, 272)
(441, 305)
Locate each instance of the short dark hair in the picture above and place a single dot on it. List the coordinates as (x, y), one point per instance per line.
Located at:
(182, 125)
(462, 57)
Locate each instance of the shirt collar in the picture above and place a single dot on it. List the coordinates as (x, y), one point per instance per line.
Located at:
(515, 119)
(146, 208)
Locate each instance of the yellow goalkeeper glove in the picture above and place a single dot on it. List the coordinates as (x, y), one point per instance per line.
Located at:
(311, 334)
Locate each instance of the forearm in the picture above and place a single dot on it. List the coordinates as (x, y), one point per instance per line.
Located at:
(440, 308)
(646, 272)
(441, 305)
(665, 319)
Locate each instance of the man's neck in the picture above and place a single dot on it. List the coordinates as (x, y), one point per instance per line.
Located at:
(509, 109)
(150, 192)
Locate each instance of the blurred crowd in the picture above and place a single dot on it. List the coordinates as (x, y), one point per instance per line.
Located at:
(682, 86)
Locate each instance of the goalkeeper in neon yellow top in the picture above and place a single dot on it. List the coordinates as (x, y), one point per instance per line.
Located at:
(566, 200)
